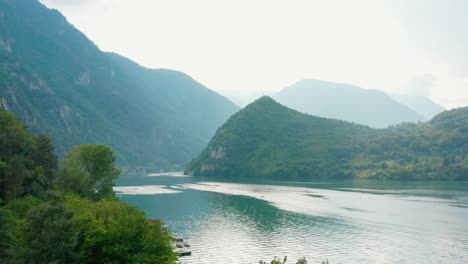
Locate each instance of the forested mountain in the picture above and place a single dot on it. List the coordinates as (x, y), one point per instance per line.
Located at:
(424, 106)
(346, 102)
(59, 83)
(267, 139)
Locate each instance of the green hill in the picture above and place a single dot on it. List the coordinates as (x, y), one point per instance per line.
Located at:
(266, 139)
(59, 83)
(346, 102)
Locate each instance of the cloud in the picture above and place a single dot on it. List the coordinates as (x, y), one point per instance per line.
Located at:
(436, 27)
(253, 46)
(77, 7)
(65, 2)
(421, 85)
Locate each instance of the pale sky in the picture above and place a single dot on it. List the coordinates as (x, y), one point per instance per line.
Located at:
(240, 47)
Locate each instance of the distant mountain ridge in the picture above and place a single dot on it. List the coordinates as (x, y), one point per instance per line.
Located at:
(347, 102)
(59, 83)
(267, 139)
(420, 104)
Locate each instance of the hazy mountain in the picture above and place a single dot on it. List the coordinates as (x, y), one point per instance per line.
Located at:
(346, 102)
(243, 98)
(424, 106)
(267, 139)
(59, 83)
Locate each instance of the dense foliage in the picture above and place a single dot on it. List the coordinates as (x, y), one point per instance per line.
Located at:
(89, 171)
(114, 232)
(60, 84)
(267, 139)
(27, 163)
(285, 260)
(70, 216)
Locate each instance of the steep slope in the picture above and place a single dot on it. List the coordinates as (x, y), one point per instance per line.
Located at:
(266, 139)
(345, 102)
(59, 83)
(422, 105)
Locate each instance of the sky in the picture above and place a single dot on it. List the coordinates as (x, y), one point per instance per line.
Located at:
(241, 48)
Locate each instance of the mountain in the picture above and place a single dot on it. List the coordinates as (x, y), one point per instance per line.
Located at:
(242, 99)
(422, 105)
(267, 139)
(346, 102)
(59, 83)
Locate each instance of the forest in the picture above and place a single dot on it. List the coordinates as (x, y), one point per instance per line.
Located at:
(68, 212)
(267, 139)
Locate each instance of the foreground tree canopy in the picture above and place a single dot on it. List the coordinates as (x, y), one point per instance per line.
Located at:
(28, 165)
(89, 171)
(285, 260)
(68, 215)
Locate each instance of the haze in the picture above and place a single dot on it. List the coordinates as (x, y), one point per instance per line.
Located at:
(240, 48)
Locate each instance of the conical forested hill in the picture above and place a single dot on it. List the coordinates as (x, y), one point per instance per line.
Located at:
(266, 139)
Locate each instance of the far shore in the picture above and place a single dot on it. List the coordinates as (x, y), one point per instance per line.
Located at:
(169, 173)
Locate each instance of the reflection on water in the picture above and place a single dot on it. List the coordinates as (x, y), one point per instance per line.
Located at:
(344, 221)
(143, 190)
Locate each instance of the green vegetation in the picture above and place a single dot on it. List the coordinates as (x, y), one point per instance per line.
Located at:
(28, 165)
(266, 139)
(278, 261)
(71, 214)
(60, 84)
(89, 171)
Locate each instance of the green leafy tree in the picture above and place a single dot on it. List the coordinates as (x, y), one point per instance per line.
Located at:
(302, 261)
(15, 173)
(44, 234)
(15, 145)
(47, 163)
(89, 171)
(6, 226)
(112, 231)
(27, 163)
(285, 259)
(41, 223)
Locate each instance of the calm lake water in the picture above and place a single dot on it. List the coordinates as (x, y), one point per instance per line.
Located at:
(342, 221)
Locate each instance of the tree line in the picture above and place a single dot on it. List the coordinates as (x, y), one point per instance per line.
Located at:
(68, 213)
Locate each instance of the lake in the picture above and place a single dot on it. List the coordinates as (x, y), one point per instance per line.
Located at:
(243, 221)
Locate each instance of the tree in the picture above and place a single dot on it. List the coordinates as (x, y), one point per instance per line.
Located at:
(89, 171)
(111, 231)
(302, 261)
(15, 145)
(6, 226)
(278, 261)
(14, 174)
(41, 223)
(44, 233)
(46, 159)
(27, 163)
(14, 138)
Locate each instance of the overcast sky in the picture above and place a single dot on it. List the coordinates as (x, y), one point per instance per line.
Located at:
(245, 46)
